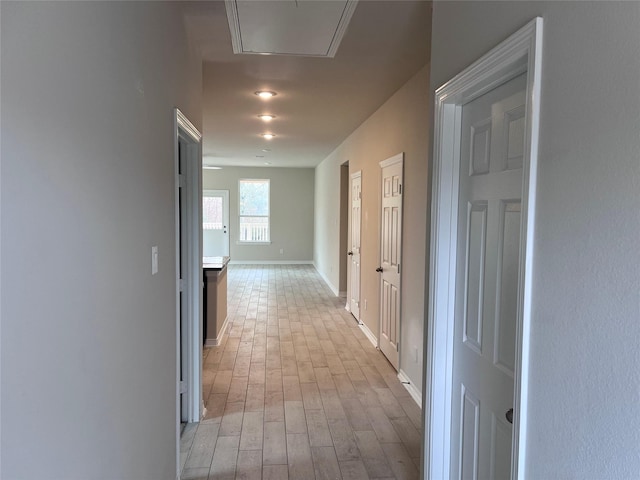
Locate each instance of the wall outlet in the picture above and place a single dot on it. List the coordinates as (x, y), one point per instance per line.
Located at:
(282, 251)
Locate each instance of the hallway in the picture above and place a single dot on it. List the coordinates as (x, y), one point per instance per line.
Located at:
(297, 391)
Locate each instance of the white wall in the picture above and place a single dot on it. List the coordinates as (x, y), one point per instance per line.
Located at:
(88, 335)
(584, 412)
(400, 125)
(291, 212)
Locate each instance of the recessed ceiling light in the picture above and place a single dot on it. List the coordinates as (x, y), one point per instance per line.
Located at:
(267, 136)
(267, 163)
(209, 167)
(265, 93)
(266, 118)
(266, 149)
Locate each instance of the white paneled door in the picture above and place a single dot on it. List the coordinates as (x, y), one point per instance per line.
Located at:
(215, 223)
(486, 308)
(354, 252)
(390, 257)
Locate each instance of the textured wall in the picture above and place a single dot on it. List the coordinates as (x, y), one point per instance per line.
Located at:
(88, 335)
(584, 415)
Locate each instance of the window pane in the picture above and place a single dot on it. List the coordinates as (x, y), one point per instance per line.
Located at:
(254, 197)
(254, 229)
(212, 213)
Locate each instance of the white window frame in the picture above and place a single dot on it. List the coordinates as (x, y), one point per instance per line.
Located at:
(268, 216)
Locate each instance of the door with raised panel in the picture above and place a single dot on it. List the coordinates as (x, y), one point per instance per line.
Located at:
(486, 308)
(390, 257)
(354, 252)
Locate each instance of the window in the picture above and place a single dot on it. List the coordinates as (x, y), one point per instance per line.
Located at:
(254, 211)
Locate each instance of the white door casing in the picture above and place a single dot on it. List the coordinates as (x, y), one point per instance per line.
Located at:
(215, 235)
(354, 252)
(391, 257)
(520, 53)
(188, 258)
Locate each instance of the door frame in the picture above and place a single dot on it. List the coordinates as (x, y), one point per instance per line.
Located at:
(352, 176)
(520, 53)
(225, 193)
(398, 158)
(191, 348)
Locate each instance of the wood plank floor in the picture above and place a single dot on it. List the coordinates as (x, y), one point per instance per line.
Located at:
(296, 390)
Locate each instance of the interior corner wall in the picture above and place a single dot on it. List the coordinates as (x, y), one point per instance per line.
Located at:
(291, 212)
(88, 361)
(400, 125)
(584, 384)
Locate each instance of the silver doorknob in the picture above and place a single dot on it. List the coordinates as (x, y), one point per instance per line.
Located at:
(509, 416)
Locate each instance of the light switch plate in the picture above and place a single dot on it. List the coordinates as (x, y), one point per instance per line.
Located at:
(154, 260)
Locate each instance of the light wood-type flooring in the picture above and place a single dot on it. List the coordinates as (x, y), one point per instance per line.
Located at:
(297, 391)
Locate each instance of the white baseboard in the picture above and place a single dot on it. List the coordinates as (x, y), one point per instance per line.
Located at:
(372, 338)
(214, 342)
(335, 291)
(271, 262)
(411, 388)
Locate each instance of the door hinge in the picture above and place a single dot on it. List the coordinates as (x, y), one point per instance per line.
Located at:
(182, 181)
(181, 285)
(398, 269)
(183, 387)
(400, 189)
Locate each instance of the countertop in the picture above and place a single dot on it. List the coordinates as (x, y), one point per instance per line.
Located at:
(214, 263)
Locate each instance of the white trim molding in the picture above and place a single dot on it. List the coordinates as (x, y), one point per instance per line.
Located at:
(369, 334)
(233, 18)
(399, 158)
(520, 53)
(411, 388)
(188, 255)
(214, 342)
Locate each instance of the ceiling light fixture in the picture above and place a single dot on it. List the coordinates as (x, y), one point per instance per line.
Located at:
(267, 136)
(265, 93)
(266, 149)
(266, 117)
(211, 167)
(267, 163)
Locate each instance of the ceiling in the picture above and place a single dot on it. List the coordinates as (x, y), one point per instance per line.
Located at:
(320, 101)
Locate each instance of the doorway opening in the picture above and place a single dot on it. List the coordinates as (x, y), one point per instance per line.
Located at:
(464, 435)
(188, 228)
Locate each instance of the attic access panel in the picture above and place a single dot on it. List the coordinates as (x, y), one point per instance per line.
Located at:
(293, 27)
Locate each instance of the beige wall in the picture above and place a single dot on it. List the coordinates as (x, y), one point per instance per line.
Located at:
(88, 334)
(291, 212)
(400, 125)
